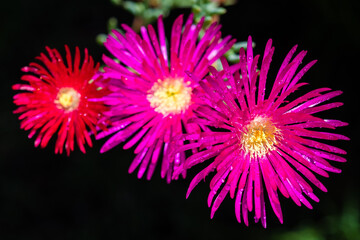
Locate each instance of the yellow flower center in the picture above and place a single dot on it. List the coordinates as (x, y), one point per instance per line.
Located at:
(170, 96)
(259, 137)
(67, 99)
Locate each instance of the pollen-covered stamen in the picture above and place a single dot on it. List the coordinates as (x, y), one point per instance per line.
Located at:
(170, 96)
(259, 137)
(67, 99)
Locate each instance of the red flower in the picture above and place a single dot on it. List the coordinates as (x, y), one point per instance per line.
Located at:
(60, 98)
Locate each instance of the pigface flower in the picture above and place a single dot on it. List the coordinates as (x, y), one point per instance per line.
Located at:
(152, 95)
(262, 145)
(58, 98)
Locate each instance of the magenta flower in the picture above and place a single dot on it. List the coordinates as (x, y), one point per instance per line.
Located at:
(152, 95)
(262, 143)
(58, 98)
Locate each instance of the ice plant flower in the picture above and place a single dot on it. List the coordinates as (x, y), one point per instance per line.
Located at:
(60, 97)
(260, 142)
(152, 95)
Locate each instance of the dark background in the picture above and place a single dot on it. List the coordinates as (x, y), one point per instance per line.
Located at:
(48, 196)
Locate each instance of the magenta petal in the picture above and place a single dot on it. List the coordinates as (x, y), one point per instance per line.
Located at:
(269, 143)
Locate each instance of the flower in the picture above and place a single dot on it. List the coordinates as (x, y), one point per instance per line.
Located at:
(152, 95)
(262, 143)
(60, 97)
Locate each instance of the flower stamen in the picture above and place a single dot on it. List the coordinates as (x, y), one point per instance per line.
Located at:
(170, 96)
(67, 99)
(259, 137)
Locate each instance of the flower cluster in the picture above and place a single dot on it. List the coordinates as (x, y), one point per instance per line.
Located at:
(163, 101)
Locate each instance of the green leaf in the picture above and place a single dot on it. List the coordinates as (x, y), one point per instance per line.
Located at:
(196, 9)
(136, 8)
(116, 2)
(101, 38)
(112, 24)
(233, 58)
(243, 44)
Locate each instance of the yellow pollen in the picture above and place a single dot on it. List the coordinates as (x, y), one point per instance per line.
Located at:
(170, 96)
(67, 99)
(259, 137)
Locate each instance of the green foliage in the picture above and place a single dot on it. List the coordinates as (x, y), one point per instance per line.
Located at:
(147, 11)
(305, 233)
(116, 2)
(111, 24)
(150, 10)
(344, 226)
(208, 9)
(232, 55)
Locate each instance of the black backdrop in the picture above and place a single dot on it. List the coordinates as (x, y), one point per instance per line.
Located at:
(48, 196)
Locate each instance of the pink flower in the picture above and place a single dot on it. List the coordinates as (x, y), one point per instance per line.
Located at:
(152, 95)
(58, 99)
(262, 143)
